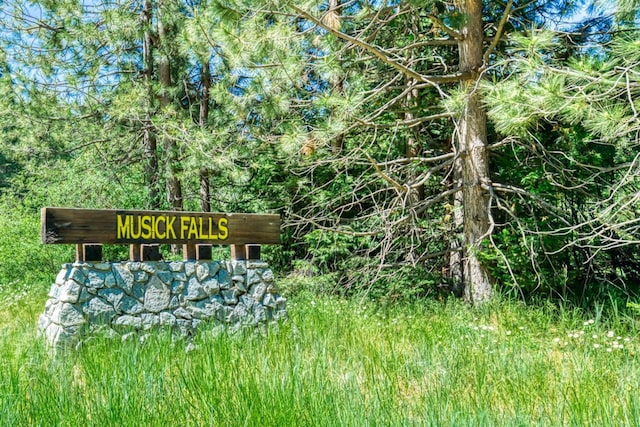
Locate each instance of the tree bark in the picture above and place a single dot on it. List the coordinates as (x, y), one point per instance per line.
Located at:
(149, 142)
(174, 186)
(205, 186)
(472, 160)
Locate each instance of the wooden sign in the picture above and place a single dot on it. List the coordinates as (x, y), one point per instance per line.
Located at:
(65, 225)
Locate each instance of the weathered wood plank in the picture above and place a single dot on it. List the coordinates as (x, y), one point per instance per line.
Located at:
(66, 225)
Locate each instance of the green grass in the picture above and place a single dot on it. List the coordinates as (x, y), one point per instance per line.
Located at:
(334, 362)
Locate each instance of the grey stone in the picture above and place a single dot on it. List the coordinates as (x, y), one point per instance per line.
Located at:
(230, 296)
(124, 278)
(62, 276)
(248, 301)
(149, 320)
(165, 276)
(202, 309)
(52, 332)
(48, 305)
(195, 291)
(68, 315)
(128, 321)
(167, 319)
(54, 291)
(211, 287)
(102, 266)
(176, 266)
(259, 314)
(134, 266)
(140, 276)
(257, 264)
(112, 296)
(177, 286)
(70, 292)
(269, 301)
(138, 291)
(189, 268)
(131, 305)
(110, 280)
(224, 313)
(267, 276)
(98, 311)
(258, 290)
(239, 284)
(240, 268)
(148, 267)
(213, 292)
(174, 303)
(214, 267)
(84, 296)
(202, 271)
(157, 296)
(184, 326)
(182, 313)
(239, 314)
(252, 277)
(224, 279)
(77, 274)
(161, 266)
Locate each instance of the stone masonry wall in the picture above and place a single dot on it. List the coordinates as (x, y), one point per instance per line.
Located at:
(126, 297)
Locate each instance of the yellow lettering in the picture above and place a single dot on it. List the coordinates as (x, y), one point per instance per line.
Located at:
(201, 231)
(184, 227)
(135, 235)
(123, 227)
(147, 227)
(156, 228)
(211, 235)
(170, 230)
(223, 231)
(193, 229)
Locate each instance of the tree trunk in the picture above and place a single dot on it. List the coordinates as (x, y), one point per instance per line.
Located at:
(472, 161)
(174, 186)
(149, 143)
(332, 19)
(205, 186)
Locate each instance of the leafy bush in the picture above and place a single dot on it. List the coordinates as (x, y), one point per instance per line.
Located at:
(24, 261)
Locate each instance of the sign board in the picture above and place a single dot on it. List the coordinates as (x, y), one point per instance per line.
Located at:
(65, 225)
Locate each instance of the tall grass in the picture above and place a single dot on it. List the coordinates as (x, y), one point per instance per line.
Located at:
(335, 362)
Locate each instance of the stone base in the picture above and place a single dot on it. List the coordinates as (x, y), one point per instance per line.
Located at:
(127, 297)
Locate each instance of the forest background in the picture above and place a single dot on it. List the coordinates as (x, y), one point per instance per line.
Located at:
(412, 148)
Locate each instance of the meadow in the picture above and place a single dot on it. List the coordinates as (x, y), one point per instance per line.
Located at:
(334, 362)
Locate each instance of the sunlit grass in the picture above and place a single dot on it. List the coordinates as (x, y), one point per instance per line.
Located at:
(335, 362)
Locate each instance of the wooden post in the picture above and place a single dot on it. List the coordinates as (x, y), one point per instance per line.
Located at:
(79, 253)
(134, 252)
(238, 252)
(189, 251)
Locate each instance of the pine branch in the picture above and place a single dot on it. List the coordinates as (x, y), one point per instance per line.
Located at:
(496, 39)
(381, 54)
(450, 31)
